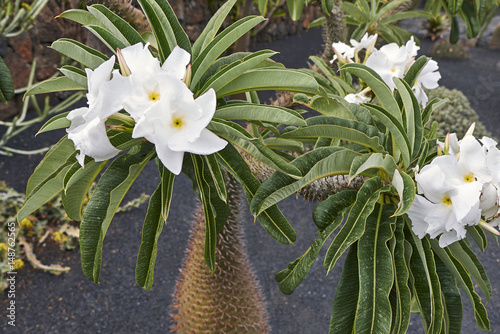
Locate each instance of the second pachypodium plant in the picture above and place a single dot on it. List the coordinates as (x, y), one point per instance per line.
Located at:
(160, 98)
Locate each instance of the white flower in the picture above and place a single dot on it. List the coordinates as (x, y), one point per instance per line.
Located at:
(389, 62)
(446, 208)
(87, 130)
(367, 42)
(427, 78)
(356, 98)
(343, 52)
(143, 83)
(177, 124)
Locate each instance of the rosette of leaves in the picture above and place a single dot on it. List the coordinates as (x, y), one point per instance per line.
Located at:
(59, 172)
(389, 272)
(378, 17)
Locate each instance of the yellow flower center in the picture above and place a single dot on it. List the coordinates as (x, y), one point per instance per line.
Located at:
(469, 178)
(393, 70)
(178, 122)
(446, 200)
(154, 96)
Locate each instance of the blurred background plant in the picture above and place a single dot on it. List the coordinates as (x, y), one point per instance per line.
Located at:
(17, 17)
(49, 224)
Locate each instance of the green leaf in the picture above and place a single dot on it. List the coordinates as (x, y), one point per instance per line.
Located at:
(469, 16)
(156, 217)
(278, 79)
(83, 54)
(103, 204)
(259, 112)
(295, 8)
(76, 190)
(314, 165)
(463, 252)
(379, 161)
(328, 211)
(271, 219)
(262, 4)
(165, 26)
(59, 153)
(54, 85)
(451, 298)
(477, 234)
(220, 44)
(346, 299)
(375, 272)
(57, 122)
(454, 6)
(107, 38)
(354, 227)
(464, 281)
(402, 295)
(211, 29)
(317, 23)
(76, 74)
(217, 176)
(333, 127)
(290, 278)
(228, 73)
(215, 209)
(396, 129)
(353, 11)
(327, 7)
(426, 284)
(404, 15)
(235, 134)
(406, 190)
(331, 106)
(378, 86)
(80, 16)
(455, 30)
(118, 27)
(6, 83)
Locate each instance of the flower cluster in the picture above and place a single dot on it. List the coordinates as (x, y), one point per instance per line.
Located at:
(457, 189)
(390, 61)
(157, 99)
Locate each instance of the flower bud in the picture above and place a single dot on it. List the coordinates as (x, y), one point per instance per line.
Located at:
(124, 69)
(187, 76)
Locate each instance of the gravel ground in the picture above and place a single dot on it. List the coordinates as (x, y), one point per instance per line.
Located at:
(71, 303)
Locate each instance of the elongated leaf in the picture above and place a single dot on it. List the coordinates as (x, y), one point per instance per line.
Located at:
(272, 79)
(378, 86)
(353, 11)
(375, 272)
(333, 127)
(156, 217)
(377, 161)
(108, 38)
(331, 106)
(62, 151)
(354, 227)
(327, 211)
(290, 278)
(6, 83)
(235, 134)
(322, 162)
(464, 253)
(232, 71)
(402, 308)
(404, 15)
(57, 122)
(120, 28)
(81, 53)
(74, 194)
(295, 8)
(220, 44)
(426, 282)
(103, 204)
(211, 28)
(272, 219)
(259, 112)
(454, 6)
(80, 16)
(54, 85)
(406, 190)
(217, 176)
(463, 280)
(346, 299)
(399, 135)
(477, 234)
(76, 74)
(451, 298)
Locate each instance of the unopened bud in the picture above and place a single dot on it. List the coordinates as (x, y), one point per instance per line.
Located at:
(471, 129)
(124, 69)
(187, 76)
(447, 144)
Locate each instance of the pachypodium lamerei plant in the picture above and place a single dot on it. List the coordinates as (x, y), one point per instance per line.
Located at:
(161, 98)
(154, 105)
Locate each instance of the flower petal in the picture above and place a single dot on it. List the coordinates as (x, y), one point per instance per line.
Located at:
(172, 160)
(207, 143)
(176, 62)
